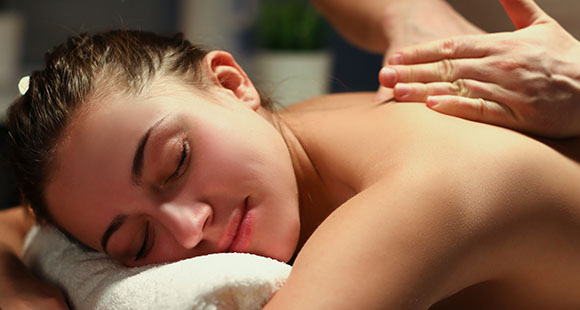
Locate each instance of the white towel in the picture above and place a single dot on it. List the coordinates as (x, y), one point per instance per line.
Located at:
(94, 281)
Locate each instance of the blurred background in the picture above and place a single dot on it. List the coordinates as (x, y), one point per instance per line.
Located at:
(265, 40)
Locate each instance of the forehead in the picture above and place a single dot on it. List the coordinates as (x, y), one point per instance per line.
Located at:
(106, 126)
(109, 121)
(91, 175)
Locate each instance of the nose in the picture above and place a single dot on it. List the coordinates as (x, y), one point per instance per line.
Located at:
(186, 222)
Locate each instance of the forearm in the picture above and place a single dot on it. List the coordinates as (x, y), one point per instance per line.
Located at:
(14, 224)
(12, 268)
(360, 22)
(19, 287)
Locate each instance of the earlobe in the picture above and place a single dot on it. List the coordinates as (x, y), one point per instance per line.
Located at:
(226, 73)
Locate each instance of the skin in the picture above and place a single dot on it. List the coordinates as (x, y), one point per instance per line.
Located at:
(386, 26)
(544, 237)
(14, 224)
(230, 154)
(368, 18)
(389, 202)
(419, 228)
(526, 79)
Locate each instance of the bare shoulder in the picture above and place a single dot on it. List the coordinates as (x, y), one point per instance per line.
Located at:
(350, 128)
(455, 202)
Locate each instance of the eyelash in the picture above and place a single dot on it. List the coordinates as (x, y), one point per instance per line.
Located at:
(181, 163)
(145, 241)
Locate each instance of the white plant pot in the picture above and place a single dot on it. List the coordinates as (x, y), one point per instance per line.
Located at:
(291, 76)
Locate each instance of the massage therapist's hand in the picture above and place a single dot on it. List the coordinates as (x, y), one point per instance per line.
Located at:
(20, 290)
(527, 80)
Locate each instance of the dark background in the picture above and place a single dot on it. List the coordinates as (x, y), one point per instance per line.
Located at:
(48, 23)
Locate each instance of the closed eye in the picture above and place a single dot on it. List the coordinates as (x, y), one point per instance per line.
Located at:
(141, 251)
(180, 164)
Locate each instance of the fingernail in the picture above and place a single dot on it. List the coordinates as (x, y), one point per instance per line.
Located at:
(402, 90)
(388, 77)
(431, 102)
(396, 59)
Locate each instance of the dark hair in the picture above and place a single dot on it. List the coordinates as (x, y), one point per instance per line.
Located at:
(126, 60)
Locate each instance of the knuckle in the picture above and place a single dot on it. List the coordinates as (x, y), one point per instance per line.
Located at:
(460, 88)
(481, 107)
(448, 47)
(446, 69)
(406, 74)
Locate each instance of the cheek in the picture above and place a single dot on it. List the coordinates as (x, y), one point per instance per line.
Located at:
(225, 153)
(166, 249)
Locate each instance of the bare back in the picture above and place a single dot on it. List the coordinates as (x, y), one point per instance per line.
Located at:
(434, 205)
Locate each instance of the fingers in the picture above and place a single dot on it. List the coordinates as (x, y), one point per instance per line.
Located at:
(478, 110)
(383, 94)
(419, 92)
(468, 99)
(441, 71)
(524, 13)
(469, 46)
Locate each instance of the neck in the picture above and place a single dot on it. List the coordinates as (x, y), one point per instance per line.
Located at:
(314, 195)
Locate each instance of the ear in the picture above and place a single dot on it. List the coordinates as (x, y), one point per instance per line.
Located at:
(226, 73)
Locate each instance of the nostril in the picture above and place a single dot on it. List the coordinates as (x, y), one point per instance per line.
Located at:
(207, 219)
(207, 212)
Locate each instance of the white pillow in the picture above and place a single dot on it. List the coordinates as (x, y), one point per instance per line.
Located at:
(94, 281)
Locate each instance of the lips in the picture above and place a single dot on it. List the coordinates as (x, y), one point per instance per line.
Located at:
(242, 237)
(236, 234)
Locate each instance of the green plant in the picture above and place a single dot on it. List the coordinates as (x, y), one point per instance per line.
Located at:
(290, 25)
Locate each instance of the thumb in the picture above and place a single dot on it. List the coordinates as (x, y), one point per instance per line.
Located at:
(383, 94)
(524, 13)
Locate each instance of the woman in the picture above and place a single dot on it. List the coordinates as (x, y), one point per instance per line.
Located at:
(169, 154)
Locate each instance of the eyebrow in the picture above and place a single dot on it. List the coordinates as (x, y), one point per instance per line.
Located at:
(137, 169)
(113, 227)
(136, 173)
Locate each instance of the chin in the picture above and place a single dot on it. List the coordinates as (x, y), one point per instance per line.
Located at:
(278, 229)
(285, 249)
(280, 249)
(283, 256)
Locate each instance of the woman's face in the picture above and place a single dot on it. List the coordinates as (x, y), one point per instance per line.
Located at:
(172, 174)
